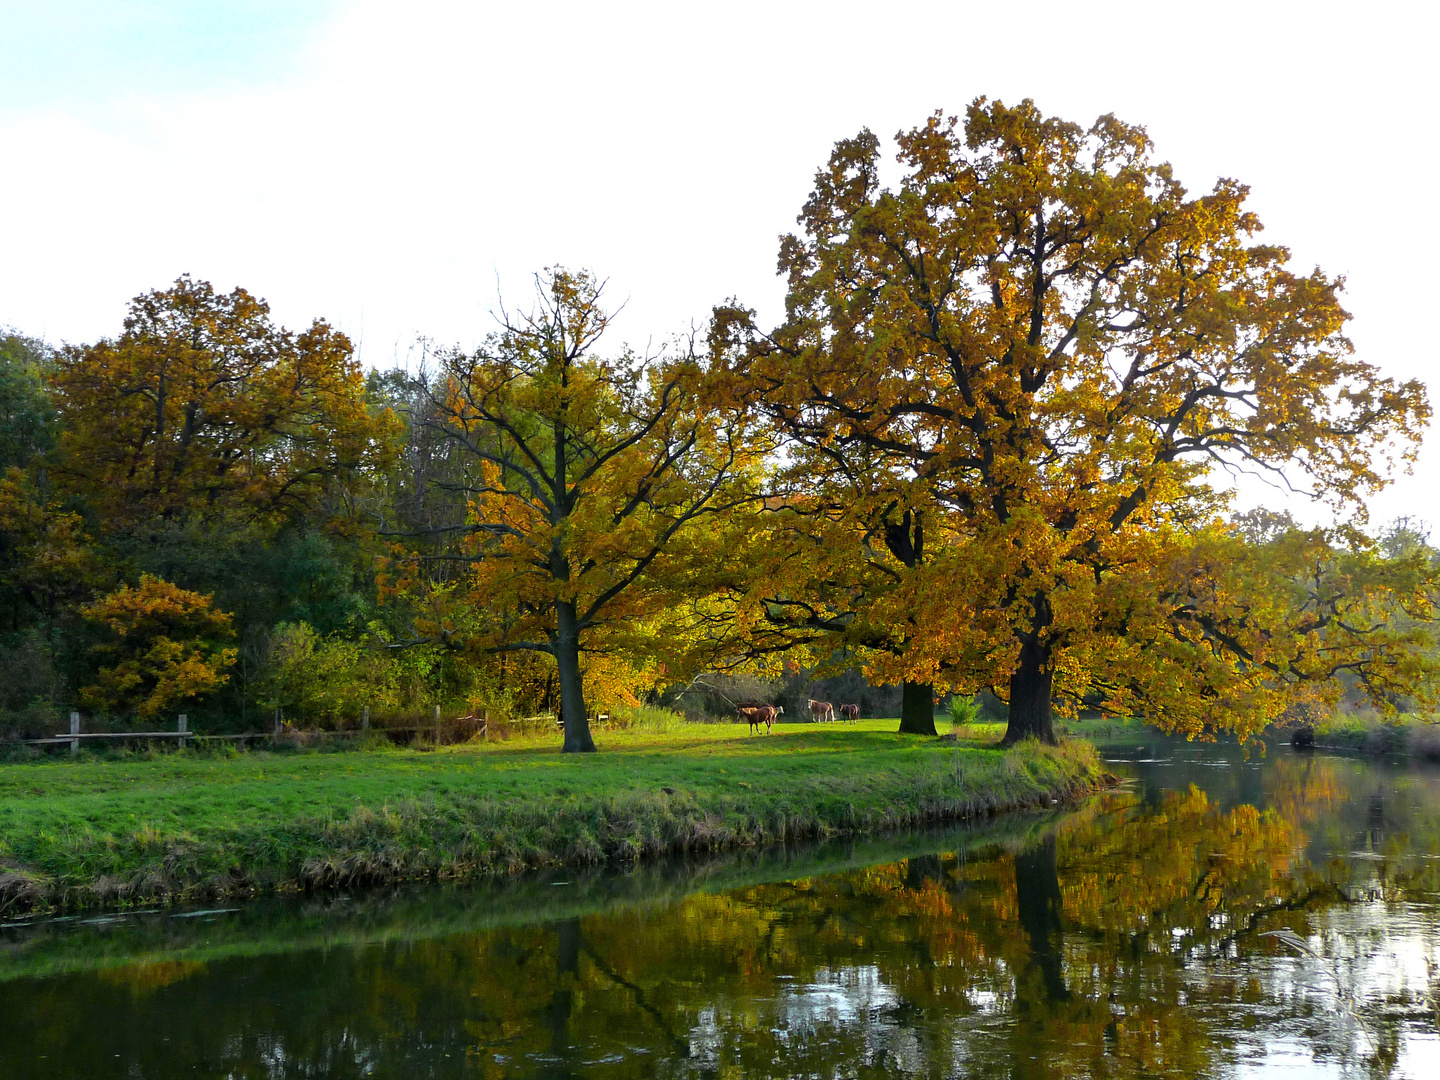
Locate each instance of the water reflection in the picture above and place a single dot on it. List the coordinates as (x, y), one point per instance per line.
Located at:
(1123, 940)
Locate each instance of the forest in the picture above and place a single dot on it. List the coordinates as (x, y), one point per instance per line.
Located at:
(989, 449)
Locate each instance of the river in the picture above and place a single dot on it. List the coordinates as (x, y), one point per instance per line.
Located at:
(1221, 914)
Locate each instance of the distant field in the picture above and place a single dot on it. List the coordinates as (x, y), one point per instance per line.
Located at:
(118, 830)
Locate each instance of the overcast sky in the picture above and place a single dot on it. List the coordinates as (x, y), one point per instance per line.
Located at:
(385, 165)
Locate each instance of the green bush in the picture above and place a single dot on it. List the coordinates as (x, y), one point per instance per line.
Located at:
(964, 710)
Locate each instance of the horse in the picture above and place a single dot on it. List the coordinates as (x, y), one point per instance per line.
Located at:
(850, 712)
(821, 711)
(756, 715)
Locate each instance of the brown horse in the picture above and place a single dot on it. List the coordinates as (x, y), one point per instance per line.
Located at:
(757, 715)
(850, 712)
(771, 712)
(821, 711)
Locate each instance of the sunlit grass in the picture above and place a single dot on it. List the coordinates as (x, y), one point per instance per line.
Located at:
(120, 830)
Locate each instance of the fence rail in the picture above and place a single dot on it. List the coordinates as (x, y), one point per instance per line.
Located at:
(56, 739)
(453, 728)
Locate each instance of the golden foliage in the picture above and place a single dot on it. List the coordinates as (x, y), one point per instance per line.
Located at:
(43, 549)
(166, 643)
(203, 408)
(1003, 385)
(592, 483)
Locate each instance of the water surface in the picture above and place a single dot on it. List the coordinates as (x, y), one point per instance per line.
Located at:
(1131, 937)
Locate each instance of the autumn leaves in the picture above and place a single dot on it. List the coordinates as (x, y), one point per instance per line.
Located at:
(985, 448)
(1005, 389)
(597, 487)
(977, 453)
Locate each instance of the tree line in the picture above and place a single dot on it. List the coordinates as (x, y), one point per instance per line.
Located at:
(987, 448)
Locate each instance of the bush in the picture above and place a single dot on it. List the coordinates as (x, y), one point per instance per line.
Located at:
(964, 710)
(324, 680)
(168, 646)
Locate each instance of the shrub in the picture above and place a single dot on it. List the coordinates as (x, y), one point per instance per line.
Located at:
(167, 644)
(964, 710)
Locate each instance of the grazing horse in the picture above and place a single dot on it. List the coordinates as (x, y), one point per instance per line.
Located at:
(850, 712)
(821, 711)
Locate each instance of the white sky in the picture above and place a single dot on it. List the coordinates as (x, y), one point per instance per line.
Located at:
(384, 165)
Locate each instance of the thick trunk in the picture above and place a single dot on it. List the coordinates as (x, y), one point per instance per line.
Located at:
(906, 540)
(572, 697)
(1030, 697)
(917, 709)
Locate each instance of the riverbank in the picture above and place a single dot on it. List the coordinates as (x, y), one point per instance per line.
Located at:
(180, 827)
(1402, 733)
(409, 914)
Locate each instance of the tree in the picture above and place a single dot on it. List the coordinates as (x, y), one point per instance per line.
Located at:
(27, 417)
(205, 411)
(830, 574)
(167, 644)
(1228, 634)
(589, 479)
(1040, 346)
(44, 553)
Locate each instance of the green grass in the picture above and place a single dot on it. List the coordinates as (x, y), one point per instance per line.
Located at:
(117, 831)
(1369, 733)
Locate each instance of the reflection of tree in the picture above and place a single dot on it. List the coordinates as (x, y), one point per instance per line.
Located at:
(1113, 947)
(1037, 893)
(567, 969)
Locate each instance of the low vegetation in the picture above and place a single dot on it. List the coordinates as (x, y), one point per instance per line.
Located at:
(1371, 733)
(175, 826)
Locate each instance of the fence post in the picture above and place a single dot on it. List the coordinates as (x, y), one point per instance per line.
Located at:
(437, 725)
(74, 730)
(365, 718)
(279, 718)
(184, 728)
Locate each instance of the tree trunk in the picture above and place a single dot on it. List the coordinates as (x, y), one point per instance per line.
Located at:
(917, 709)
(1030, 697)
(572, 696)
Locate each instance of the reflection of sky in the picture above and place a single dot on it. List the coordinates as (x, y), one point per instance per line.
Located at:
(1374, 954)
(1379, 959)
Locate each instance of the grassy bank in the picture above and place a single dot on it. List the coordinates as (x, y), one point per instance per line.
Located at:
(181, 826)
(1368, 733)
(410, 913)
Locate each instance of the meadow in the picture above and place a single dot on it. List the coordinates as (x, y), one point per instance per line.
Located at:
(123, 829)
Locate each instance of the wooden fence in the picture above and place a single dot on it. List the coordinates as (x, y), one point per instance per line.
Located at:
(453, 729)
(435, 729)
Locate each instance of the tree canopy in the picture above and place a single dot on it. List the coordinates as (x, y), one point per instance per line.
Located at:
(988, 448)
(205, 409)
(1043, 349)
(589, 476)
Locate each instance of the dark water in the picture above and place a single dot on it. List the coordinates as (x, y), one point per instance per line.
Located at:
(1125, 938)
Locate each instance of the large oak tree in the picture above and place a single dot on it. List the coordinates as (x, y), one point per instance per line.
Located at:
(1040, 345)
